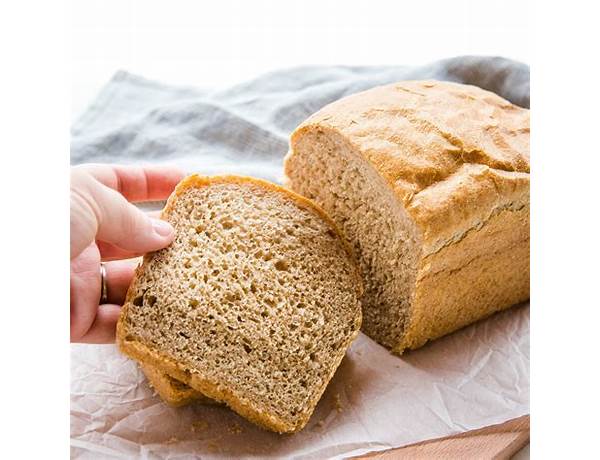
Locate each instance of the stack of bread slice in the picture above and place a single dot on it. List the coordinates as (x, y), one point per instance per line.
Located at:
(172, 391)
(253, 305)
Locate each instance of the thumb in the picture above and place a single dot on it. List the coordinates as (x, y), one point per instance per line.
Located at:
(129, 228)
(111, 218)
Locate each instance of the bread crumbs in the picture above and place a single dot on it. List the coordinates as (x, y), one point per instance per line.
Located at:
(338, 403)
(172, 440)
(235, 428)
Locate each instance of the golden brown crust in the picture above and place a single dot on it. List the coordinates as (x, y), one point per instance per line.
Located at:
(456, 158)
(141, 352)
(149, 356)
(172, 391)
(464, 201)
(485, 272)
(145, 354)
(427, 139)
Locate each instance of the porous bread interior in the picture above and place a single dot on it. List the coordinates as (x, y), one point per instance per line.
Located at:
(385, 240)
(256, 295)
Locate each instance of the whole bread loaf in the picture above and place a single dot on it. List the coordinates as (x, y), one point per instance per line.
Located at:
(429, 182)
(254, 303)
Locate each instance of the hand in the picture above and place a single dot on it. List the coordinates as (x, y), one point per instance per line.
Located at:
(105, 226)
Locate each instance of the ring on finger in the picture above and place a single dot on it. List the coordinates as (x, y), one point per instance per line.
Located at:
(103, 285)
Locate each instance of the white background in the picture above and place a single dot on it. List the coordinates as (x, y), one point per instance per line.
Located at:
(220, 43)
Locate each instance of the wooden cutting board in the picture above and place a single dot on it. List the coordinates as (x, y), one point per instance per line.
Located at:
(492, 442)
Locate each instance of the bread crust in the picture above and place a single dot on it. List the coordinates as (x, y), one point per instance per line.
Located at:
(172, 391)
(448, 152)
(455, 157)
(465, 274)
(149, 356)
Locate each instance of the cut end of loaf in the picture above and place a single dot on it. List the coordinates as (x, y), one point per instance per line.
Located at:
(254, 303)
(429, 181)
(327, 169)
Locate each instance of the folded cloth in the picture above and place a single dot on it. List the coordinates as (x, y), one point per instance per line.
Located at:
(245, 129)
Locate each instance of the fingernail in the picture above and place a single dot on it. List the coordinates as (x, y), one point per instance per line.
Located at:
(161, 227)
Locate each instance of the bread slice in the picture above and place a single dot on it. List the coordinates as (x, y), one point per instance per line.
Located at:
(429, 182)
(253, 304)
(172, 391)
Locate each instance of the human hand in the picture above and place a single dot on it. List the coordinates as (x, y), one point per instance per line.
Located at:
(105, 226)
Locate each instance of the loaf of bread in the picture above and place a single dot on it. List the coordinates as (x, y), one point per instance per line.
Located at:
(172, 391)
(254, 303)
(429, 182)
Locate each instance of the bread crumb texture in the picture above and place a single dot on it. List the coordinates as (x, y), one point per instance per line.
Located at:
(254, 303)
(429, 182)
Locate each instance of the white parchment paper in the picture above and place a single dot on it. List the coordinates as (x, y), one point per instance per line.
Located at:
(473, 378)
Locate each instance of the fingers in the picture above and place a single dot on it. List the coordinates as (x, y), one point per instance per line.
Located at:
(127, 227)
(109, 251)
(101, 213)
(85, 291)
(104, 325)
(112, 252)
(148, 183)
(118, 278)
(90, 322)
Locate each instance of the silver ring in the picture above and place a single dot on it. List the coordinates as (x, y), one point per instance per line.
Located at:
(103, 287)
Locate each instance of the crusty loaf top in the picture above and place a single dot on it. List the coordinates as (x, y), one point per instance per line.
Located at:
(453, 154)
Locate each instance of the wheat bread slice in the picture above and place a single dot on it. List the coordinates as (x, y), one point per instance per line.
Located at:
(172, 391)
(254, 303)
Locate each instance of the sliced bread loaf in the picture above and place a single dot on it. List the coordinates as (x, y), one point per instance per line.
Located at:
(429, 182)
(171, 390)
(254, 303)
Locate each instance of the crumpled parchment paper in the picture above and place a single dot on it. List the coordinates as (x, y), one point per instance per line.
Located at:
(475, 377)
